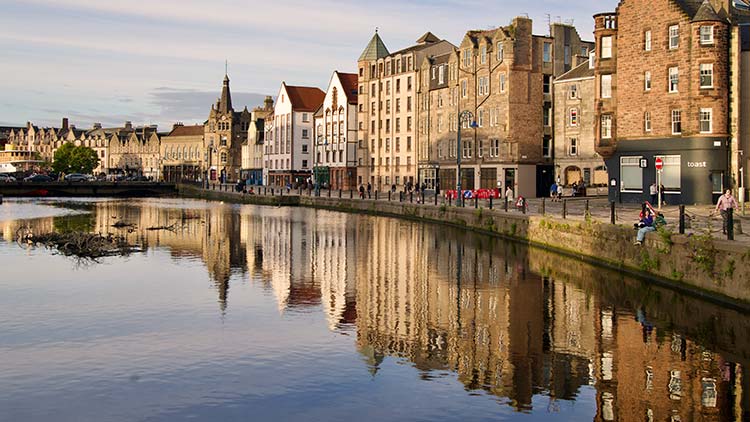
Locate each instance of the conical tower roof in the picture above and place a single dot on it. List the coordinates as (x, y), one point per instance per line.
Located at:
(225, 103)
(376, 49)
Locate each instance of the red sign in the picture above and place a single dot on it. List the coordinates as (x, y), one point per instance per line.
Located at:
(476, 193)
(658, 163)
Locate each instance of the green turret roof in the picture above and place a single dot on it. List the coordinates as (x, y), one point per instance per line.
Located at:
(375, 49)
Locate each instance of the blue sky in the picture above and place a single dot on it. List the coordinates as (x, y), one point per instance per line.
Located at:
(160, 61)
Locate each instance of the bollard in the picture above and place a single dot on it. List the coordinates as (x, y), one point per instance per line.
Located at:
(505, 204)
(450, 201)
(730, 224)
(411, 197)
(490, 202)
(544, 206)
(682, 220)
(463, 201)
(1, 199)
(377, 195)
(586, 212)
(340, 193)
(476, 202)
(565, 209)
(272, 190)
(524, 206)
(436, 195)
(351, 194)
(612, 212)
(329, 192)
(400, 197)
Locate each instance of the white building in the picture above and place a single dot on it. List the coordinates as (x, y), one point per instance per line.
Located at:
(335, 160)
(288, 150)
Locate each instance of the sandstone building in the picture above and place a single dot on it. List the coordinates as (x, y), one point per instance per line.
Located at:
(252, 149)
(387, 110)
(225, 132)
(670, 78)
(182, 153)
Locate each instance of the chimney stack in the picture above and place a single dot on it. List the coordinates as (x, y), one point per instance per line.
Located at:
(97, 125)
(64, 123)
(129, 125)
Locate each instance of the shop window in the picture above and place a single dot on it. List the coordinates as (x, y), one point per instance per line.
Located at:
(631, 174)
(671, 172)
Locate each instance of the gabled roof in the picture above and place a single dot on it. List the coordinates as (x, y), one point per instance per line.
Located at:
(349, 82)
(194, 130)
(376, 49)
(582, 71)
(305, 98)
(428, 37)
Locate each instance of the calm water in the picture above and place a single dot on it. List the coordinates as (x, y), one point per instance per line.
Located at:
(265, 314)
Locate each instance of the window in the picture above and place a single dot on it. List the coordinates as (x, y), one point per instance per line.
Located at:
(441, 74)
(408, 103)
(676, 122)
(647, 81)
(647, 121)
(494, 147)
(466, 149)
(483, 54)
(670, 173)
(706, 125)
(546, 84)
(674, 79)
(305, 117)
(606, 126)
(502, 82)
(547, 116)
(567, 55)
(480, 117)
(464, 88)
(674, 37)
(547, 52)
(480, 149)
(573, 92)
(647, 41)
(304, 164)
(305, 133)
(707, 75)
(484, 85)
(606, 52)
(500, 52)
(304, 148)
(573, 121)
(573, 147)
(631, 174)
(606, 86)
(547, 147)
(466, 55)
(223, 157)
(707, 35)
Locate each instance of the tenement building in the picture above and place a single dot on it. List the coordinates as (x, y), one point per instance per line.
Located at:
(225, 132)
(182, 153)
(252, 149)
(288, 139)
(670, 76)
(576, 159)
(497, 87)
(387, 110)
(335, 134)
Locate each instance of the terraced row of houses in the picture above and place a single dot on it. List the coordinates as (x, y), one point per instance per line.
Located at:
(665, 79)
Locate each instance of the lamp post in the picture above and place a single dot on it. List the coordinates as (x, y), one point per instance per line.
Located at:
(466, 114)
(208, 170)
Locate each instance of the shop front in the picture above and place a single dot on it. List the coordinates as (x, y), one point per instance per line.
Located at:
(694, 170)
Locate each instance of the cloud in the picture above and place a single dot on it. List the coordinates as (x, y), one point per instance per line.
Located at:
(192, 105)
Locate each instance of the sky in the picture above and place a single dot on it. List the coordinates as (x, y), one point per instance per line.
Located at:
(163, 61)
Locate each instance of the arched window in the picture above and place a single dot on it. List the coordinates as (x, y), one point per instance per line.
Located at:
(223, 157)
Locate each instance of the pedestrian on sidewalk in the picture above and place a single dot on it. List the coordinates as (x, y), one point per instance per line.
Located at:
(653, 191)
(369, 190)
(723, 205)
(553, 192)
(509, 195)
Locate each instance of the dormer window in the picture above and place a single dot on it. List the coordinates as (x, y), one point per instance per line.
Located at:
(483, 54)
(500, 52)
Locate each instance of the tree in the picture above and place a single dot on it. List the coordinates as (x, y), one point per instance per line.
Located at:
(72, 159)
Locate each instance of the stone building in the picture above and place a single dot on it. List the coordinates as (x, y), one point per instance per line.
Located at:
(288, 140)
(134, 151)
(575, 154)
(503, 78)
(225, 132)
(387, 110)
(252, 148)
(335, 154)
(666, 74)
(182, 153)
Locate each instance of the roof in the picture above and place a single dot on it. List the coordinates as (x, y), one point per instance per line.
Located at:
(194, 130)
(428, 37)
(349, 81)
(580, 72)
(705, 13)
(305, 98)
(375, 49)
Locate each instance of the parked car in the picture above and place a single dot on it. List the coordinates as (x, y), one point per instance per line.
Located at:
(6, 178)
(76, 177)
(137, 179)
(38, 178)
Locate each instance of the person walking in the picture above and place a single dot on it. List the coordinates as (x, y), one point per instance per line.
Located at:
(361, 192)
(509, 195)
(723, 205)
(553, 191)
(653, 191)
(369, 190)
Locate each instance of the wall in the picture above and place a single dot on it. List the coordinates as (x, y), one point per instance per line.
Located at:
(695, 265)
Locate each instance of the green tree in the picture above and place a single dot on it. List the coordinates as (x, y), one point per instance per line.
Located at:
(72, 159)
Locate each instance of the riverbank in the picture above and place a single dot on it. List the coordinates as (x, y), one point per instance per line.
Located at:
(695, 264)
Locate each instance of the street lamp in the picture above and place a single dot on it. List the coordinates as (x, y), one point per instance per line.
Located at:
(463, 116)
(211, 151)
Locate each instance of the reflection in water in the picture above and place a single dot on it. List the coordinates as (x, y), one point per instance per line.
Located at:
(531, 329)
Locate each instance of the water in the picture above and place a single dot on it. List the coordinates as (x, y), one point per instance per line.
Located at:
(255, 313)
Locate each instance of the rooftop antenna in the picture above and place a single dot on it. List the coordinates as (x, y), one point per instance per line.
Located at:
(376, 29)
(226, 67)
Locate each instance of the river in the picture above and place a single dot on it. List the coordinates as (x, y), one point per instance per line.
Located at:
(235, 312)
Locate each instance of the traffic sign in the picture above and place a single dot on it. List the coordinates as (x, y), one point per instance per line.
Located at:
(658, 163)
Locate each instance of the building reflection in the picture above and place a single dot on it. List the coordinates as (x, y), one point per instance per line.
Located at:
(517, 323)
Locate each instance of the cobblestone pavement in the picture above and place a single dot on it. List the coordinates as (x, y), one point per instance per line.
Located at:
(700, 219)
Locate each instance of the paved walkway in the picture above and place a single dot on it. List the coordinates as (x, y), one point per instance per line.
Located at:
(700, 218)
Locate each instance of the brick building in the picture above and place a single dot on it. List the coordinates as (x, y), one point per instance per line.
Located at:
(503, 77)
(664, 89)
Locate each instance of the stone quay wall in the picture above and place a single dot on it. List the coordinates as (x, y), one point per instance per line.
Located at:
(698, 265)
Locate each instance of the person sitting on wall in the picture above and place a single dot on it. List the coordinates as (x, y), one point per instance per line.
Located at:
(521, 203)
(648, 224)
